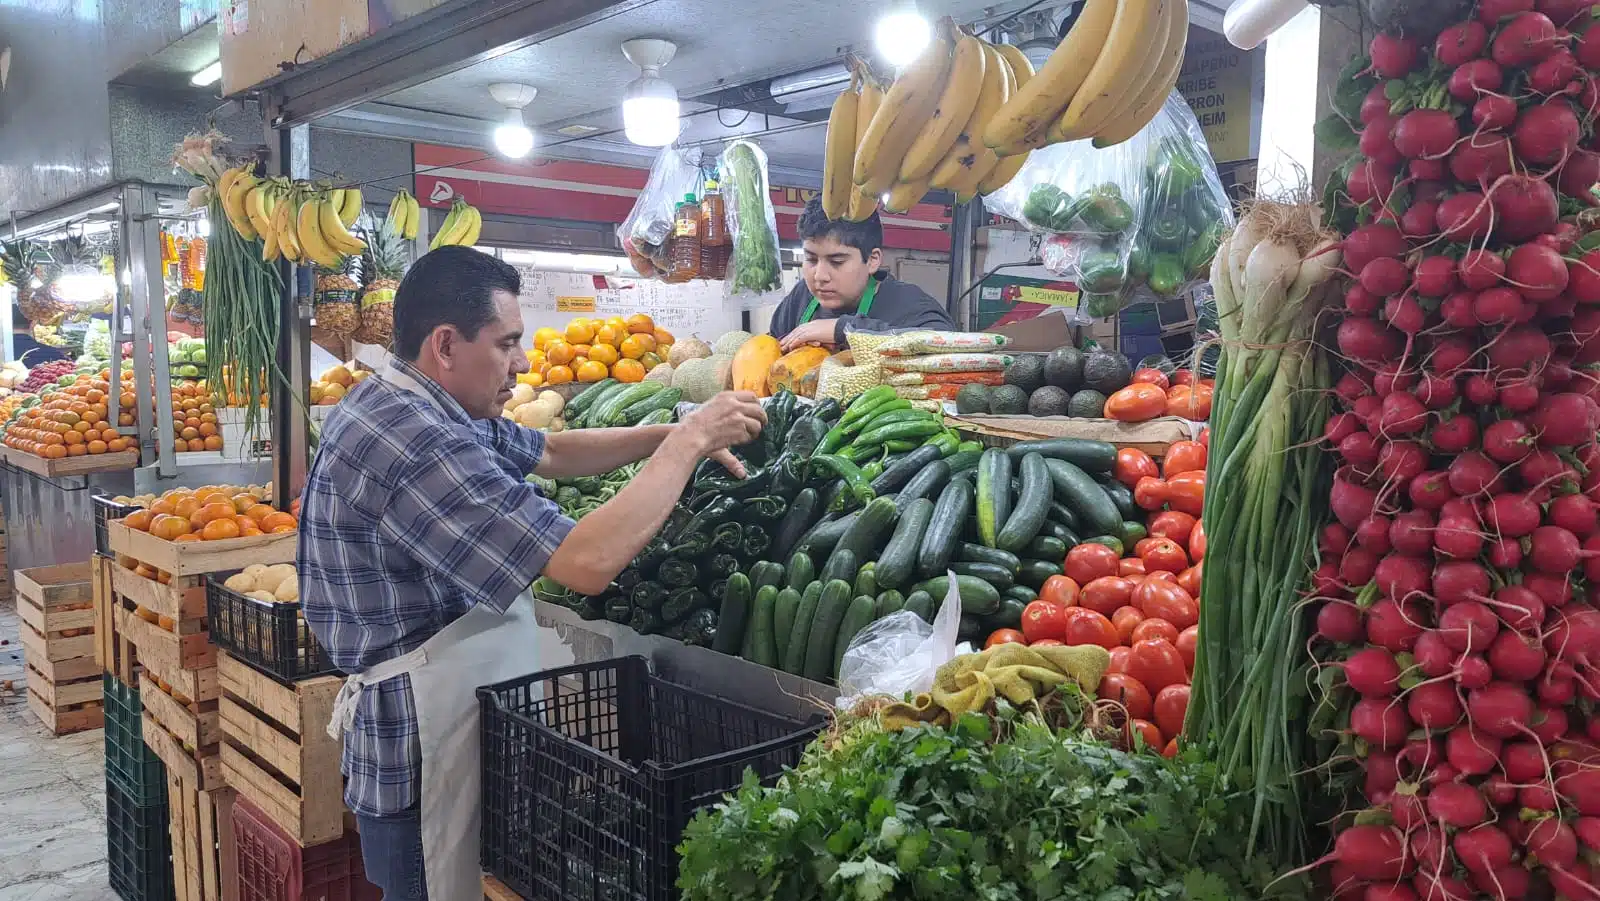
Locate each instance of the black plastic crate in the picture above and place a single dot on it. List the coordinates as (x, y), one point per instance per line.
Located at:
(590, 773)
(105, 510)
(269, 636)
(130, 764)
(138, 847)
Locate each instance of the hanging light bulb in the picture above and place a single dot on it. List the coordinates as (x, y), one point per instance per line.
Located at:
(901, 35)
(650, 103)
(512, 137)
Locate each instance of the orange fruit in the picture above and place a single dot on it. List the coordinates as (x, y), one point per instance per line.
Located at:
(163, 505)
(220, 529)
(603, 353)
(580, 331)
(533, 379)
(559, 375)
(592, 371)
(605, 334)
(187, 507)
(257, 512)
(53, 451)
(77, 450)
(187, 537)
(630, 348)
(249, 529)
(582, 349)
(535, 357)
(560, 353)
(216, 511)
(544, 337)
(211, 442)
(169, 527)
(617, 324)
(189, 433)
(640, 324)
(97, 446)
(197, 444)
(117, 445)
(577, 363)
(628, 371)
(207, 498)
(73, 436)
(663, 336)
(277, 519)
(650, 361)
(139, 520)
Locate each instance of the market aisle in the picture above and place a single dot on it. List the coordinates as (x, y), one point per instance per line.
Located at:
(52, 797)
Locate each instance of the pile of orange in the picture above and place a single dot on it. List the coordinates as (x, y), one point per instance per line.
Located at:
(71, 422)
(210, 514)
(589, 350)
(194, 419)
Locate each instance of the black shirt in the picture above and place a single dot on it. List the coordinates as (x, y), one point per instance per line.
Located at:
(898, 305)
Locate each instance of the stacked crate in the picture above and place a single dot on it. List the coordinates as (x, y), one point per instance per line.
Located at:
(56, 607)
(138, 837)
(5, 569)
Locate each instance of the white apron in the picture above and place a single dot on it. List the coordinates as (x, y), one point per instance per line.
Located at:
(480, 648)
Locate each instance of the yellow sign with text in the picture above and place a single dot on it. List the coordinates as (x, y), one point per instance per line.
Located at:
(1054, 297)
(1217, 80)
(574, 304)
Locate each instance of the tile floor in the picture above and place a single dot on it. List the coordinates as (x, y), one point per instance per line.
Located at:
(52, 796)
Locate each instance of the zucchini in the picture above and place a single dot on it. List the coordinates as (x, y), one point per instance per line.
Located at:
(977, 596)
(588, 398)
(1063, 514)
(866, 534)
(890, 601)
(635, 413)
(608, 413)
(920, 603)
(765, 573)
(802, 571)
(735, 613)
(1034, 573)
(1110, 541)
(1053, 529)
(1033, 506)
(1046, 547)
(1022, 593)
(1122, 497)
(1084, 495)
(857, 616)
(998, 576)
(925, 484)
(899, 557)
(1090, 456)
(803, 512)
(901, 471)
(1009, 616)
(977, 553)
(794, 656)
(866, 581)
(994, 494)
(825, 535)
(944, 528)
(759, 645)
(963, 460)
(831, 608)
(784, 610)
(842, 565)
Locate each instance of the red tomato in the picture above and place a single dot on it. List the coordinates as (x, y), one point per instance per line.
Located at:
(1187, 492)
(1088, 627)
(1205, 438)
(1172, 703)
(1105, 594)
(1127, 691)
(1160, 599)
(1183, 377)
(1119, 659)
(1088, 562)
(1042, 620)
(1171, 750)
(1125, 619)
(1189, 580)
(1163, 554)
(1162, 575)
(1005, 636)
(1157, 664)
(1136, 403)
(1046, 643)
(1145, 544)
(1173, 524)
(1150, 629)
(1192, 403)
(1132, 465)
(1151, 377)
(1183, 456)
(1148, 735)
(1151, 493)
(1130, 567)
(1060, 590)
(1197, 542)
(1188, 640)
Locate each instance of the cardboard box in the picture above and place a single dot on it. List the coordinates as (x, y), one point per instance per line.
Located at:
(1045, 332)
(260, 36)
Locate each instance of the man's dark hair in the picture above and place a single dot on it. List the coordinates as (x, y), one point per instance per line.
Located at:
(448, 286)
(865, 236)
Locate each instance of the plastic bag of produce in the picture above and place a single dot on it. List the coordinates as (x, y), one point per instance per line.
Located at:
(755, 270)
(649, 224)
(899, 654)
(925, 342)
(1149, 211)
(948, 363)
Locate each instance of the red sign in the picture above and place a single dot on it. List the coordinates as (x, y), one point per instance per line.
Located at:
(595, 192)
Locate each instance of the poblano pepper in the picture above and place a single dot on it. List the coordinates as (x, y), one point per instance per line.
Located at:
(700, 628)
(828, 409)
(618, 610)
(721, 566)
(717, 589)
(683, 602)
(648, 594)
(756, 542)
(763, 509)
(727, 537)
(805, 433)
(677, 573)
(628, 579)
(645, 622)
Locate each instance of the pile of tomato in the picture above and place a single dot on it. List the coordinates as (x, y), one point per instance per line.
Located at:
(1143, 607)
(1153, 393)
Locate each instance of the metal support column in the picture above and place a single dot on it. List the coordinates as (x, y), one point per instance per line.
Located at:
(147, 299)
(963, 256)
(291, 441)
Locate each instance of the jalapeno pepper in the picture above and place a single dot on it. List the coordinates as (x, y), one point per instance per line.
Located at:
(857, 484)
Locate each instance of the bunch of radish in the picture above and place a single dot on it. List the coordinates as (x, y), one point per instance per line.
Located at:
(1460, 580)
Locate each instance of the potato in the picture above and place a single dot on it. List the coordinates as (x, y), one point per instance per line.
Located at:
(288, 591)
(276, 574)
(254, 570)
(261, 596)
(243, 582)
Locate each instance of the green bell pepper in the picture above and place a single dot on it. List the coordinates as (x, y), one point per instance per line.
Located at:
(1107, 213)
(1166, 274)
(1043, 203)
(1167, 231)
(1100, 272)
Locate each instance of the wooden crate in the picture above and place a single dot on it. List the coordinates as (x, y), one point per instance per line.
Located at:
(65, 720)
(182, 599)
(276, 751)
(1153, 437)
(196, 766)
(188, 558)
(114, 653)
(55, 648)
(195, 724)
(56, 598)
(71, 466)
(64, 705)
(185, 647)
(495, 890)
(196, 816)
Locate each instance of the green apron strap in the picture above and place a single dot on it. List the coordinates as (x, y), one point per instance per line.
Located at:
(864, 309)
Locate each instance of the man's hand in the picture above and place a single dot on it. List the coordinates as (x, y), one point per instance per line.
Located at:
(818, 332)
(730, 419)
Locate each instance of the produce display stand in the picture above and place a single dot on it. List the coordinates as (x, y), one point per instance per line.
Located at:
(1153, 437)
(71, 466)
(56, 606)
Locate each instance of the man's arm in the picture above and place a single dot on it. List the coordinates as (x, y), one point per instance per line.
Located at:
(590, 452)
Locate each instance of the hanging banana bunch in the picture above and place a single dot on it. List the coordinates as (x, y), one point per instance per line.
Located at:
(461, 227)
(404, 216)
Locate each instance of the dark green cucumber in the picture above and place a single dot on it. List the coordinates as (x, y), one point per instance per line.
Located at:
(661, 400)
(1122, 497)
(869, 531)
(1022, 593)
(1009, 616)
(803, 513)
(1061, 513)
(588, 398)
(842, 564)
(900, 472)
(890, 601)
(925, 484)
(784, 610)
(977, 553)
(608, 413)
(1033, 506)
(944, 529)
(1046, 547)
(802, 571)
(899, 557)
(1074, 487)
(1090, 456)
(1132, 533)
(765, 573)
(794, 656)
(963, 461)
(1110, 541)
(735, 614)
(857, 616)
(866, 581)
(759, 645)
(1059, 532)
(920, 603)
(831, 608)
(998, 576)
(994, 494)
(824, 536)
(977, 596)
(971, 629)
(1034, 573)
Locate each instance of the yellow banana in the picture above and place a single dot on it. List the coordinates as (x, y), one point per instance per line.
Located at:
(1141, 110)
(1138, 32)
(969, 160)
(1021, 66)
(871, 99)
(838, 159)
(904, 196)
(255, 208)
(862, 205)
(469, 237)
(448, 223)
(310, 234)
(1022, 123)
(905, 109)
(960, 96)
(232, 205)
(269, 247)
(333, 232)
(1004, 173)
(395, 221)
(350, 210)
(413, 217)
(283, 226)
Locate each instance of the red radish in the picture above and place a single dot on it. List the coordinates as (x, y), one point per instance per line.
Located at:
(1433, 277)
(1562, 12)
(1335, 538)
(1554, 550)
(1505, 553)
(1523, 762)
(1360, 302)
(1340, 426)
(1524, 208)
(1426, 133)
(1402, 414)
(1350, 502)
(1580, 173)
(1520, 349)
(1393, 57)
(1493, 111)
(1461, 42)
(1544, 470)
(1373, 534)
(1507, 441)
(1457, 309)
(1499, 709)
(1576, 883)
(1433, 705)
(1588, 832)
(1547, 133)
(1400, 577)
(1380, 722)
(1513, 514)
(1478, 76)
(1490, 12)
(1520, 397)
(1368, 408)
(1468, 626)
(1575, 513)
(1371, 242)
(1588, 49)
(1538, 272)
(1554, 73)
(1520, 606)
(1549, 724)
(1583, 278)
(1370, 182)
(1455, 581)
(1383, 772)
(1564, 238)
(1456, 805)
(1482, 158)
(1458, 538)
(1462, 508)
(1473, 473)
(1480, 269)
(1411, 532)
(1373, 852)
(1527, 38)
(1377, 142)
(1339, 621)
(1392, 377)
(1553, 842)
(1366, 340)
(1384, 276)
(1357, 566)
(1392, 627)
(1564, 420)
(1418, 221)
(1405, 314)
(1471, 752)
(1516, 657)
(1497, 306)
(1402, 461)
(1582, 788)
(1454, 435)
(1372, 672)
(1375, 104)
(1430, 491)
(1483, 849)
(1360, 450)
(1554, 590)
(1450, 353)
(1398, 891)
(1351, 386)
(1465, 216)
(1509, 883)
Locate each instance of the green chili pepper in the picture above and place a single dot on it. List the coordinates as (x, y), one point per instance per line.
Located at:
(857, 484)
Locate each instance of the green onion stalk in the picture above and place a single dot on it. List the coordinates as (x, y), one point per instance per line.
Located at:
(1267, 494)
(241, 315)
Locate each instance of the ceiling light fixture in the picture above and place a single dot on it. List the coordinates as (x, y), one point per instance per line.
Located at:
(650, 103)
(512, 137)
(901, 35)
(208, 76)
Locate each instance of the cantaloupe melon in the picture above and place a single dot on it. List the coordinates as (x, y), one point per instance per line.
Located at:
(690, 348)
(730, 342)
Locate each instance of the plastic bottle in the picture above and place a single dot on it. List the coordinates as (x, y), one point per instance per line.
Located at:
(713, 218)
(686, 240)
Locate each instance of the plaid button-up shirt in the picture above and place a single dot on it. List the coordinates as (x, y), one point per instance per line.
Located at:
(412, 513)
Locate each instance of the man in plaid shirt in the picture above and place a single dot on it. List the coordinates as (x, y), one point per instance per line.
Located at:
(419, 537)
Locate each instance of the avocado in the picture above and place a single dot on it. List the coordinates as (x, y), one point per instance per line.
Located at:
(1087, 404)
(1049, 401)
(972, 399)
(1106, 371)
(1063, 368)
(1008, 400)
(1026, 372)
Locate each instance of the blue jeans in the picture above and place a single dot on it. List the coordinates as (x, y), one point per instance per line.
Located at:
(391, 853)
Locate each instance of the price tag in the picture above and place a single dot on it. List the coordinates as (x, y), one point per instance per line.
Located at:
(575, 304)
(1054, 297)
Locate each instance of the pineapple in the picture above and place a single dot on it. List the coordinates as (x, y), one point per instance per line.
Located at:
(336, 300)
(383, 263)
(19, 264)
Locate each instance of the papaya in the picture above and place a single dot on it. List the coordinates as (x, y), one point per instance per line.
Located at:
(797, 371)
(752, 364)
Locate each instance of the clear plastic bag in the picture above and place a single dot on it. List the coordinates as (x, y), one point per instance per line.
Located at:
(899, 654)
(649, 225)
(755, 270)
(1147, 212)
